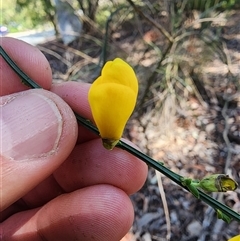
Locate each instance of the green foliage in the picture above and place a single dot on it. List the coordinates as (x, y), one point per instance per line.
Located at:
(33, 11)
(20, 15)
(203, 5)
(39, 12)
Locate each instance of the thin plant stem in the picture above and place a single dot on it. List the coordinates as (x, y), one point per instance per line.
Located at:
(104, 50)
(123, 145)
(25, 78)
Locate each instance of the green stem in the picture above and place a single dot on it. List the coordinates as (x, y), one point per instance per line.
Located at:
(151, 20)
(25, 78)
(104, 50)
(123, 145)
(177, 179)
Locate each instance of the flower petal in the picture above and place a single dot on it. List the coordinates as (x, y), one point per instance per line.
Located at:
(120, 72)
(235, 238)
(111, 104)
(112, 98)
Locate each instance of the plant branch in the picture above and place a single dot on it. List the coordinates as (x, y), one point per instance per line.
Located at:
(25, 78)
(123, 145)
(152, 77)
(150, 20)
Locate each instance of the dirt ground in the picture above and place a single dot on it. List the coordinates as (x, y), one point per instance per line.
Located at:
(194, 137)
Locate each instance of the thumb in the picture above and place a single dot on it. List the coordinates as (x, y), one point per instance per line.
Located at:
(38, 130)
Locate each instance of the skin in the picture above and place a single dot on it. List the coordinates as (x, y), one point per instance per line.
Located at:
(78, 191)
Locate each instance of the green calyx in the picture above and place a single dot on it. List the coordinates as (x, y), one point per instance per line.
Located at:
(218, 183)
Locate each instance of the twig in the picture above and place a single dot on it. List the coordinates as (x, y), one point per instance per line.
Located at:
(27, 80)
(165, 205)
(150, 20)
(104, 50)
(89, 21)
(56, 55)
(123, 145)
(152, 77)
(75, 68)
(202, 20)
(160, 186)
(80, 53)
(225, 137)
(217, 229)
(228, 58)
(208, 217)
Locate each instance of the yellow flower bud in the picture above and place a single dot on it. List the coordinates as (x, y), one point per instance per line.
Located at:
(235, 238)
(218, 183)
(112, 98)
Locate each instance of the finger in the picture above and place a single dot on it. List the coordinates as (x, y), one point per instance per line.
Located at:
(101, 213)
(76, 95)
(47, 190)
(29, 59)
(38, 132)
(91, 164)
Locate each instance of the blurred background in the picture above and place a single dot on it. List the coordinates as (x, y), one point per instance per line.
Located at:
(186, 55)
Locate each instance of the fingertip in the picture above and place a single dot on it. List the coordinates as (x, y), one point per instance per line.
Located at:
(91, 164)
(101, 213)
(30, 60)
(76, 95)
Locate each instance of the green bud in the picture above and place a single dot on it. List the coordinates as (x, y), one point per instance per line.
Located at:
(191, 185)
(223, 216)
(218, 183)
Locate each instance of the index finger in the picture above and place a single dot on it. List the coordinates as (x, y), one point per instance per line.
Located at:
(76, 96)
(30, 59)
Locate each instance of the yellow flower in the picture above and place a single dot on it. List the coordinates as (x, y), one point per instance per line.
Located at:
(112, 98)
(218, 183)
(235, 238)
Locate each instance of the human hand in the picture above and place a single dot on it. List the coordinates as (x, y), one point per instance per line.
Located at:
(57, 180)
